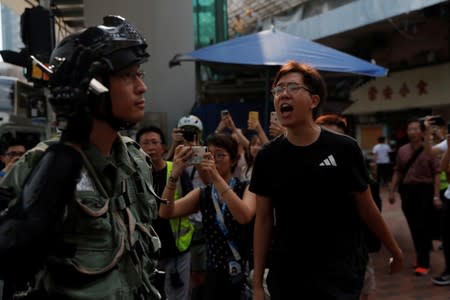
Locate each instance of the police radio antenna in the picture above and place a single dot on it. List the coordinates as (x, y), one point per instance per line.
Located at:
(94, 85)
(41, 65)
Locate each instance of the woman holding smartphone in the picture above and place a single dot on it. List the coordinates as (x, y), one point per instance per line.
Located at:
(227, 207)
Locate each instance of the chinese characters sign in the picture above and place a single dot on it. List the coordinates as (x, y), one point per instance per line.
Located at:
(387, 92)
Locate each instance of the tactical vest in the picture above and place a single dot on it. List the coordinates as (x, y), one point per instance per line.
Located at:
(182, 228)
(107, 239)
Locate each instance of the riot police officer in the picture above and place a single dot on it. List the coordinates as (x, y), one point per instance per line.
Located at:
(82, 206)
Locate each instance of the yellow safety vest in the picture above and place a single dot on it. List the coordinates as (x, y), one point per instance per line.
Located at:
(182, 228)
(444, 182)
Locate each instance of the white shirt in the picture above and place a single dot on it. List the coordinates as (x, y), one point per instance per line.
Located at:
(443, 146)
(382, 153)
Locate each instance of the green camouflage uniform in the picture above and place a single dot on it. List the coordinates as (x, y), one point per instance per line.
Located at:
(109, 248)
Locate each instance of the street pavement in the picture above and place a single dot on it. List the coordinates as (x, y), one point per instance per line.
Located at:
(405, 285)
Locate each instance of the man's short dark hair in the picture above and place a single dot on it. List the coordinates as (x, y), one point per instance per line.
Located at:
(148, 129)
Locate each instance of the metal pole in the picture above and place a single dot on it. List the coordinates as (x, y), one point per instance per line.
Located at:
(266, 104)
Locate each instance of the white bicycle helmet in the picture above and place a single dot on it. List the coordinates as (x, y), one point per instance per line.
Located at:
(190, 120)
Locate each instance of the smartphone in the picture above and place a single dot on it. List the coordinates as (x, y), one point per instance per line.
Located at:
(273, 117)
(224, 112)
(253, 116)
(198, 153)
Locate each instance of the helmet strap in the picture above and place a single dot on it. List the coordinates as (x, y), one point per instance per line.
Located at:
(103, 111)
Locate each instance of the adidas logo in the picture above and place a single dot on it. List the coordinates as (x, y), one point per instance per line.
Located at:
(329, 161)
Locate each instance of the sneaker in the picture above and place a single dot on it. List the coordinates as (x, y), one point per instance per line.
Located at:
(422, 271)
(444, 279)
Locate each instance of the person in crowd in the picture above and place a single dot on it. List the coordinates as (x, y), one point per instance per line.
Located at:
(435, 142)
(2, 154)
(226, 206)
(416, 177)
(444, 278)
(83, 204)
(14, 151)
(333, 122)
(315, 184)
(250, 155)
(189, 132)
(175, 234)
(338, 124)
(382, 160)
(441, 150)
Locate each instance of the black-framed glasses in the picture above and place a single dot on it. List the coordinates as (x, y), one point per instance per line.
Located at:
(219, 156)
(151, 142)
(130, 77)
(14, 154)
(291, 87)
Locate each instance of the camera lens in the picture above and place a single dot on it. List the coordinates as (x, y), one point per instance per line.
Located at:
(189, 135)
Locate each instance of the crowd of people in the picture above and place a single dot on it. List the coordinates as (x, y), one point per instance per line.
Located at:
(116, 217)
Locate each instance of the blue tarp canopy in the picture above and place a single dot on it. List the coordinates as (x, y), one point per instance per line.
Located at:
(274, 48)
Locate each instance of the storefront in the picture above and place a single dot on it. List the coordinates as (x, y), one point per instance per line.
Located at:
(383, 105)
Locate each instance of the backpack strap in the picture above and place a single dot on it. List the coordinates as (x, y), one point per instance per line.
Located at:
(411, 161)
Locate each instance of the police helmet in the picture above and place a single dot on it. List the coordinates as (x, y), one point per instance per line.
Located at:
(93, 53)
(97, 50)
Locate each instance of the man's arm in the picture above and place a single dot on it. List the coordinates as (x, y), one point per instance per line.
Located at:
(262, 237)
(371, 216)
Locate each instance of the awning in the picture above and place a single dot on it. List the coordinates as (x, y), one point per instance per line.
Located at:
(274, 48)
(418, 88)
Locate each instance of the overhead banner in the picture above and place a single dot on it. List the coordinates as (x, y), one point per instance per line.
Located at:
(418, 88)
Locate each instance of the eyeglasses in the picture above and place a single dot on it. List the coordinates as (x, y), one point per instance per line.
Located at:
(14, 154)
(219, 156)
(130, 77)
(152, 143)
(291, 87)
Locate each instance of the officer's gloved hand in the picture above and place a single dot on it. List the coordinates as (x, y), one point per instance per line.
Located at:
(73, 116)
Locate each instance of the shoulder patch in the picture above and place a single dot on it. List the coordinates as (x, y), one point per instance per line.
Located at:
(129, 141)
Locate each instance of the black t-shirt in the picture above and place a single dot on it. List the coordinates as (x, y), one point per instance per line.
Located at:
(311, 191)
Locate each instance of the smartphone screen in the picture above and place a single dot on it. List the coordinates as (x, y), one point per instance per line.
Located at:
(253, 116)
(198, 152)
(224, 113)
(273, 117)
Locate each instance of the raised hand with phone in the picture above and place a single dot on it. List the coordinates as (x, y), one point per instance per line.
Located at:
(255, 125)
(188, 132)
(275, 128)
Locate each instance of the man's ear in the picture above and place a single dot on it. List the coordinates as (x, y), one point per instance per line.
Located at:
(315, 101)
